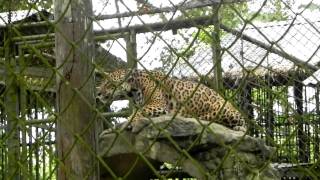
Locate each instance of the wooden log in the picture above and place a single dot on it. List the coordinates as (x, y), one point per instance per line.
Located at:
(131, 48)
(161, 26)
(76, 137)
(181, 6)
(216, 52)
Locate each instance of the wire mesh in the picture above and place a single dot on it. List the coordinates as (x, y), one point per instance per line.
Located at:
(261, 57)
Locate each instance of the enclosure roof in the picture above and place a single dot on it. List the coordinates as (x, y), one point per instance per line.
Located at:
(298, 38)
(25, 15)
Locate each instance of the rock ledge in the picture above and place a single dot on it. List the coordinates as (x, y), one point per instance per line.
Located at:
(204, 151)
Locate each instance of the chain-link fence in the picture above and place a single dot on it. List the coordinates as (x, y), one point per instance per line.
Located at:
(259, 59)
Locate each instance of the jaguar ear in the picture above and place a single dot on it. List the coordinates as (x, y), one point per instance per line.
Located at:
(131, 74)
(126, 87)
(130, 79)
(134, 70)
(106, 74)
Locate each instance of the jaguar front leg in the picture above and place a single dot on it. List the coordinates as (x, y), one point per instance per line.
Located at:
(132, 119)
(136, 121)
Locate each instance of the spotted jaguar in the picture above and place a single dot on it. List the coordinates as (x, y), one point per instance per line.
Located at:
(155, 94)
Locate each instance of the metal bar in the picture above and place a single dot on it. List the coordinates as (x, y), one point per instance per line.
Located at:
(3, 150)
(317, 127)
(30, 137)
(43, 145)
(301, 136)
(269, 124)
(37, 149)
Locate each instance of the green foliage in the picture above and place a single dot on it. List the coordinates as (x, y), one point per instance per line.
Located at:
(14, 5)
(311, 6)
(274, 10)
(230, 16)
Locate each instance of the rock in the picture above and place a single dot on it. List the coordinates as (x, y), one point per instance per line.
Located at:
(202, 149)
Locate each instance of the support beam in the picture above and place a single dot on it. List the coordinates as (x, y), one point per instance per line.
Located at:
(131, 49)
(181, 7)
(161, 26)
(269, 114)
(11, 109)
(76, 137)
(38, 72)
(216, 52)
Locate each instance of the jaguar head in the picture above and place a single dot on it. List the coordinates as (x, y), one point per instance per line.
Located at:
(114, 86)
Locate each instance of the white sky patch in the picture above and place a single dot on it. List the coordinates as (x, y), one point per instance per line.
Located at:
(117, 106)
(314, 79)
(116, 47)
